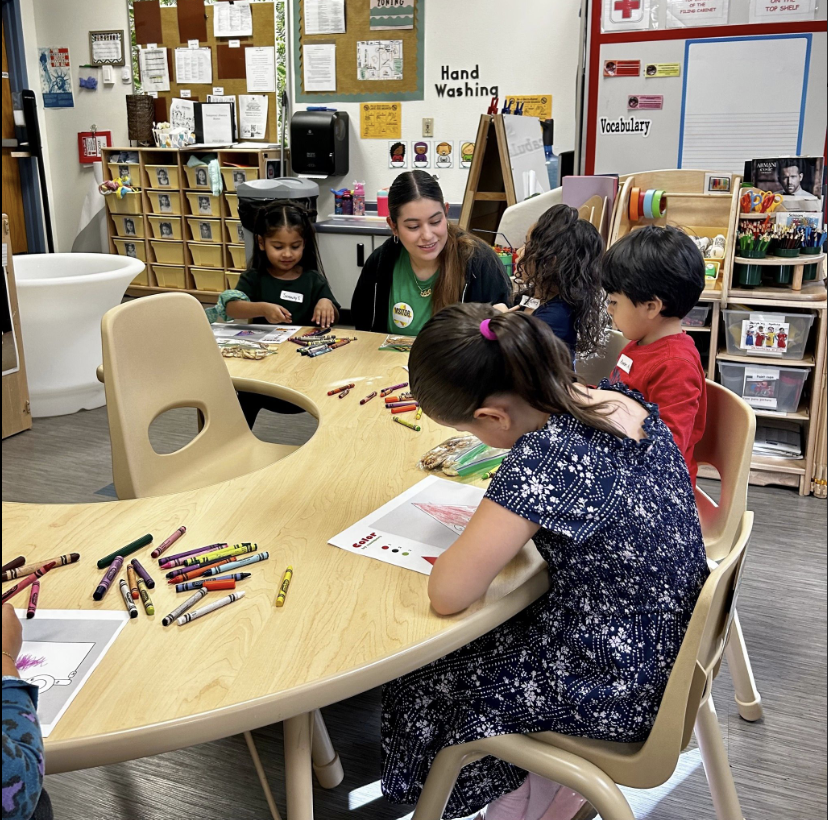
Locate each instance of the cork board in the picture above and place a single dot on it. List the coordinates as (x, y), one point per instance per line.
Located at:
(357, 27)
(264, 34)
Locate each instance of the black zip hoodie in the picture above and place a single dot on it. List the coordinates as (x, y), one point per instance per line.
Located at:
(486, 281)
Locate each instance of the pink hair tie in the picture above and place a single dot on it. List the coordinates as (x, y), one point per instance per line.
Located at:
(487, 331)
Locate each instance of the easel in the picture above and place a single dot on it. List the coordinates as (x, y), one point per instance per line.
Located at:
(490, 189)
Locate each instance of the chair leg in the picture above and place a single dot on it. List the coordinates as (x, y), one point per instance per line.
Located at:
(440, 781)
(298, 772)
(716, 764)
(326, 763)
(748, 699)
(257, 764)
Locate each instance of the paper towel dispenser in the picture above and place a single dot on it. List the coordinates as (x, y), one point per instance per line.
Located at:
(319, 143)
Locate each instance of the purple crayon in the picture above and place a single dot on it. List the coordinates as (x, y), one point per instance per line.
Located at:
(109, 577)
(165, 545)
(178, 560)
(142, 573)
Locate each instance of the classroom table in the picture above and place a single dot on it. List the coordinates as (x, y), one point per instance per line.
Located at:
(349, 624)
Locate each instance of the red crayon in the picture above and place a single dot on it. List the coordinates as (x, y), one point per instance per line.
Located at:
(340, 343)
(340, 389)
(368, 398)
(195, 573)
(406, 408)
(165, 545)
(228, 584)
(32, 608)
(27, 581)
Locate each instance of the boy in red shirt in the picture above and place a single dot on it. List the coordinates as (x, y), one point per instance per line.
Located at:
(653, 278)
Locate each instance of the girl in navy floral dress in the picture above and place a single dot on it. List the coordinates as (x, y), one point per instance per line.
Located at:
(594, 477)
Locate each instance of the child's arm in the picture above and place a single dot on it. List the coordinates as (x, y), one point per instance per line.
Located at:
(464, 572)
(676, 386)
(274, 314)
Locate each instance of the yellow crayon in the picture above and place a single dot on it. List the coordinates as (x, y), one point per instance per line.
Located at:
(145, 597)
(280, 598)
(490, 473)
(419, 414)
(408, 424)
(208, 557)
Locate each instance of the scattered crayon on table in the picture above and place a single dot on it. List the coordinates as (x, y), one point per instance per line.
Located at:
(283, 589)
(408, 424)
(27, 581)
(344, 393)
(167, 543)
(172, 560)
(406, 403)
(133, 546)
(180, 610)
(108, 578)
(419, 413)
(34, 592)
(211, 607)
(13, 564)
(388, 390)
(368, 398)
(145, 597)
(403, 408)
(27, 569)
(142, 573)
(132, 582)
(236, 563)
(340, 389)
(209, 557)
(127, 596)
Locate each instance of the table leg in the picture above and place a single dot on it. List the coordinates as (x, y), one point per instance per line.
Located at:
(326, 763)
(298, 771)
(257, 763)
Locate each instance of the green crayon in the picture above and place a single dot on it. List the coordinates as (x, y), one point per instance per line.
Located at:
(124, 551)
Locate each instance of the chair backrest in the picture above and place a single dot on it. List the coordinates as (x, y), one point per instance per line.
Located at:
(727, 445)
(698, 660)
(159, 354)
(518, 219)
(600, 366)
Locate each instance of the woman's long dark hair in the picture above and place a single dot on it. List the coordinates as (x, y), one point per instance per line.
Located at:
(460, 246)
(563, 258)
(282, 213)
(454, 368)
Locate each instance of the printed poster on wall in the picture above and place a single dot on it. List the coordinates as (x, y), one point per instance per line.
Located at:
(379, 59)
(397, 154)
(380, 121)
(781, 11)
(466, 155)
(534, 105)
(421, 154)
(625, 15)
(56, 77)
(444, 154)
(391, 14)
(695, 13)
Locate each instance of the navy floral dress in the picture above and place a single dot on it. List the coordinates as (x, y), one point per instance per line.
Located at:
(620, 532)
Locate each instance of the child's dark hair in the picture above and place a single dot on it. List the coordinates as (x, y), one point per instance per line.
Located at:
(563, 258)
(655, 262)
(282, 213)
(454, 368)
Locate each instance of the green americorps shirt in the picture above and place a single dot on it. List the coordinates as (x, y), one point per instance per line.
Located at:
(299, 296)
(408, 310)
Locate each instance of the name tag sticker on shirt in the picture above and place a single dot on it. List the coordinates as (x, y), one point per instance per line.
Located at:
(530, 302)
(625, 363)
(290, 296)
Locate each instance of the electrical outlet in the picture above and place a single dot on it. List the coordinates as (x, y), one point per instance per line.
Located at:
(428, 126)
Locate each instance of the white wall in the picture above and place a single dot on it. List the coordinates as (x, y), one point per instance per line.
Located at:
(524, 48)
(68, 23)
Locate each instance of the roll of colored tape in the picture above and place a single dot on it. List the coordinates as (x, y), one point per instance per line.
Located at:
(641, 194)
(634, 212)
(648, 203)
(659, 204)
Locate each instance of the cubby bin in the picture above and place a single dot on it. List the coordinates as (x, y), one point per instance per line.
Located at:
(235, 231)
(237, 176)
(162, 176)
(697, 317)
(165, 227)
(765, 387)
(142, 279)
(170, 277)
(233, 205)
(127, 204)
(208, 279)
(134, 248)
(204, 204)
(206, 256)
(128, 226)
(124, 169)
(197, 177)
(795, 341)
(232, 279)
(165, 202)
(205, 230)
(238, 255)
(168, 253)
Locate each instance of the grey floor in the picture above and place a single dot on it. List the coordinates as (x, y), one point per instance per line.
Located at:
(779, 763)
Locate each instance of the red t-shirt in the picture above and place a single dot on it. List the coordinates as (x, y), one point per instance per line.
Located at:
(669, 373)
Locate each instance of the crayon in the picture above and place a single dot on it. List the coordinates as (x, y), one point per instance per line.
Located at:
(368, 398)
(408, 424)
(211, 607)
(34, 592)
(126, 595)
(133, 546)
(13, 564)
(340, 389)
(317, 331)
(402, 403)
(402, 408)
(283, 589)
(180, 610)
(27, 581)
(209, 557)
(419, 413)
(180, 575)
(145, 597)
(340, 343)
(177, 560)
(490, 473)
(165, 545)
(401, 397)
(207, 582)
(318, 351)
(236, 563)
(387, 390)
(27, 569)
(142, 573)
(108, 578)
(344, 393)
(132, 582)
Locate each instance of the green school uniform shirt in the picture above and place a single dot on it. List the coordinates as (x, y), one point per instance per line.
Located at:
(408, 309)
(299, 296)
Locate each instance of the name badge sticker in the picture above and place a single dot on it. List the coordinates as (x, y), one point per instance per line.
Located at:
(290, 296)
(625, 363)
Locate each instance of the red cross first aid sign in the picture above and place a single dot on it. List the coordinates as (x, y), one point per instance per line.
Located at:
(625, 15)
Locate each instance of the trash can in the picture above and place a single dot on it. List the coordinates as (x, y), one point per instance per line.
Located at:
(258, 192)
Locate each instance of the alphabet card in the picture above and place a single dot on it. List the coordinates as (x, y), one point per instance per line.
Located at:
(414, 529)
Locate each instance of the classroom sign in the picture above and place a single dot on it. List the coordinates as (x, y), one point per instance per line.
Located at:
(55, 77)
(380, 121)
(694, 13)
(534, 105)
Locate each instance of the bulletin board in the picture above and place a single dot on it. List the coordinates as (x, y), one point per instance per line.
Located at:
(358, 28)
(188, 20)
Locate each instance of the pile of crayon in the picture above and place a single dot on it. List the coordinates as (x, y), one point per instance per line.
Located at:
(402, 403)
(317, 342)
(30, 575)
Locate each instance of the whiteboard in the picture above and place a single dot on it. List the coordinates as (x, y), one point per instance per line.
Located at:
(743, 97)
(524, 139)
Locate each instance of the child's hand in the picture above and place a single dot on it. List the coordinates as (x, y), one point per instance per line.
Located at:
(276, 314)
(12, 636)
(324, 314)
(500, 307)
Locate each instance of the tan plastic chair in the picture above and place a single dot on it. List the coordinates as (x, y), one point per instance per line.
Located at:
(159, 354)
(595, 768)
(599, 367)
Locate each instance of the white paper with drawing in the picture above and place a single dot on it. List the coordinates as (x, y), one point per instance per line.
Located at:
(379, 59)
(414, 529)
(61, 648)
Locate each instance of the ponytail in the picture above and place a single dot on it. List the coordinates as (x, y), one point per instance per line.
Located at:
(283, 213)
(455, 365)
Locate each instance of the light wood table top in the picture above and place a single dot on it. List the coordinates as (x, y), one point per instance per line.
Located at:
(350, 623)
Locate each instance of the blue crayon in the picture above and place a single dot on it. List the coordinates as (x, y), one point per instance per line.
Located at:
(189, 586)
(233, 565)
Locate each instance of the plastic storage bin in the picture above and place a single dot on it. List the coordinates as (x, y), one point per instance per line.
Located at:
(135, 249)
(128, 226)
(162, 176)
(168, 253)
(124, 169)
(197, 176)
(233, 204)
(238, 253)
(790, 345)
(128, 204)
(232, 280)
(765, 387)
(205, 230)
(142, 278)
(208, 279)
(165, 202)
(236, 176)
(235, 231)
(204, 204)
(165, 227)
(697, 317)
(170, 277)
(206, 256)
